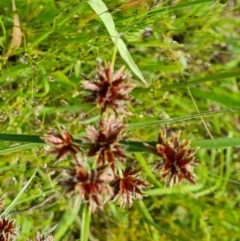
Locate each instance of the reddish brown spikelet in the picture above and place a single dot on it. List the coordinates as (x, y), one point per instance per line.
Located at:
(8, 230)
(104, 142)
(128, 187)
(178, 158)
(92, 187)
(40, 237)
(62, 142)
(110, 90)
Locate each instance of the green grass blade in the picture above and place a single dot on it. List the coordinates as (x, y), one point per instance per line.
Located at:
(228, 99)
(60, 77)
(158, 11)
(214, 77)
(145, 166)
(183, 189)
(21, 138)
(132, 146)
(133, 126)
(13, 203)
(68, 218)
(178, 6)
(17, 148)
(102, 11)
(217, 143)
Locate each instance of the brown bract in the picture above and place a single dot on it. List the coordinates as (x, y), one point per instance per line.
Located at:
(40, 237)
(178, 158)
(92, 187)
(104, 142)
(128, 187)
(110, 90)
(62, 142)
(8, 230)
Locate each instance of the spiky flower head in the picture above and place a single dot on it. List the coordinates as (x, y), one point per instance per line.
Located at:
(178, 158)
(91, 187)
(8, 229)
(110, 90)
(62, 143)
(105, 141)
(128, 187)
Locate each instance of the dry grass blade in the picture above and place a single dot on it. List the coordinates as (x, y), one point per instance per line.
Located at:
(17, 33)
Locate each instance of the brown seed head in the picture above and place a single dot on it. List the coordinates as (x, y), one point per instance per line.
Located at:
(104, 142)
(178, 158)
(111, 90)
(92, 187)
(8, 230)
(62, 142)
(128, 187)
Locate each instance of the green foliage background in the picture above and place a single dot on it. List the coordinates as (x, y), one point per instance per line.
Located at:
(188, 53)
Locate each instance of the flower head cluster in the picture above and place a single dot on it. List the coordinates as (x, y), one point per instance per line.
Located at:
(91, 187)
(62, 142)
(178, 158)
(128, 187)
(96, 183)
(8, 229)
(104, 142)
(110, 90)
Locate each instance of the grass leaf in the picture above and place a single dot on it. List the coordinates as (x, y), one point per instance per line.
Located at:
(14, 202)
(102, 11)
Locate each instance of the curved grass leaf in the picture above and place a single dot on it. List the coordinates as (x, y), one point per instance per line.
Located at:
(102, 11)
(228, 99)
(214, 77)
(178, 6)
(16, 148)
(183, 85)
(163, 9)
(14, 202)
(134, 146)
(179, 119)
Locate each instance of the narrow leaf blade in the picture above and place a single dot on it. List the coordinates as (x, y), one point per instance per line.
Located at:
(102, 11)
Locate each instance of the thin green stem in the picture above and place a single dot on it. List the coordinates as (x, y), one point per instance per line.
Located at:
(85, 224)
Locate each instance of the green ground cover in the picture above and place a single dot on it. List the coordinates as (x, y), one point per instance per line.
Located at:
(184, 57)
